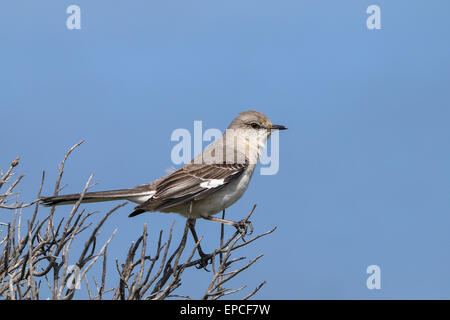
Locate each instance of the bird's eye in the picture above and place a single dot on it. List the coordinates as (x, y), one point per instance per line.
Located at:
(254, 125)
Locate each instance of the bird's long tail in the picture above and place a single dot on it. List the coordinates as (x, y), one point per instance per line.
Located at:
(100, 196)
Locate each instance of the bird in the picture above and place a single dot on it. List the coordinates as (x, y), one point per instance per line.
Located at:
(210, 183)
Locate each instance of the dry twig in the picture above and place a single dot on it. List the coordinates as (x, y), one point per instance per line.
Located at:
(41, 249)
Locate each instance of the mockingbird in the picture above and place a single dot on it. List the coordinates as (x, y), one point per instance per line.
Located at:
(210, 183)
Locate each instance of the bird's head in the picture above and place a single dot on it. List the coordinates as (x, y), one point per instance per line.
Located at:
(254, 122)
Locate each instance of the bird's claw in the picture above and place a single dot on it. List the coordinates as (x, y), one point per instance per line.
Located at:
(244, 227)
(204, 261)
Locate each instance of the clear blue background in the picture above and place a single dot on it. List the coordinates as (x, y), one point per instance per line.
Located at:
(364, 173)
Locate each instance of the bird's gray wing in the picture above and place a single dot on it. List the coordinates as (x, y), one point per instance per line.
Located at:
(190, 183)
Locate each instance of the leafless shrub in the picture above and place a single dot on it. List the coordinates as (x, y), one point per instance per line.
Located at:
(36, 254)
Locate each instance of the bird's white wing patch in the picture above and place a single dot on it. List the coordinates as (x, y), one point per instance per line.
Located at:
(212, 183)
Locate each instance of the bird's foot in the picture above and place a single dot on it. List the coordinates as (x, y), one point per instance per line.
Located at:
(205, 259)
(244, 227)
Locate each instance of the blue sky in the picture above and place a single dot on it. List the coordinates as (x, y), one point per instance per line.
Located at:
(364, 175)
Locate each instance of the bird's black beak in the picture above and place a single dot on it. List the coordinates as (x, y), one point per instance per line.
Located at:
(278, 127)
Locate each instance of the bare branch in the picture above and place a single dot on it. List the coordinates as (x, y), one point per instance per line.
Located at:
(41, 250)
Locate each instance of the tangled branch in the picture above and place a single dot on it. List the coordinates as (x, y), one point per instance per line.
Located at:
(35, 255)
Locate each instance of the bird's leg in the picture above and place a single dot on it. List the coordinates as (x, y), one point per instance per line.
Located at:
(194, 234)
(241, 226)
(203, 256)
